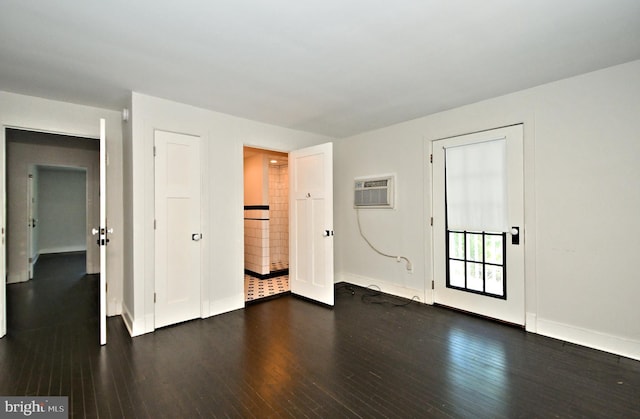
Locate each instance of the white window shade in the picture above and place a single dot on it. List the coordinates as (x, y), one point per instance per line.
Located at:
(476, 186)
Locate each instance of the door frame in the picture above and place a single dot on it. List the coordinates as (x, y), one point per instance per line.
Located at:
(42, 127)
(266, 151)
(529, 321)
(89, 239)
(289, 153)
(203, 300)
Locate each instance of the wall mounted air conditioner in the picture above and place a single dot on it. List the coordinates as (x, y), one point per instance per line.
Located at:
(374, 192)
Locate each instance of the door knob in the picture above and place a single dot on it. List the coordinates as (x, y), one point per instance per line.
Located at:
(196, 237)
(515, 235)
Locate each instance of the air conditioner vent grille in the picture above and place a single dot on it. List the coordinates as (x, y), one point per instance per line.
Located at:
(373, 192)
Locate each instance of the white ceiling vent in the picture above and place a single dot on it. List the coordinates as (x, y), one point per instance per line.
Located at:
(373, 192)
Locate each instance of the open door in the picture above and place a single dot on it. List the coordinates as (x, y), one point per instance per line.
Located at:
(31, 220)
(102, 231)
(3, 248)
(311, 223)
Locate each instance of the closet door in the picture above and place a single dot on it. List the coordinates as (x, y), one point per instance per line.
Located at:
(178, 232)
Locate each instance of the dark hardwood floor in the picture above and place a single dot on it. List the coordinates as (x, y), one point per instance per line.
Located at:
(288, 357)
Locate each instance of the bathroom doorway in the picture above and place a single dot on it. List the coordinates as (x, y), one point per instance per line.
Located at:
(266, 224)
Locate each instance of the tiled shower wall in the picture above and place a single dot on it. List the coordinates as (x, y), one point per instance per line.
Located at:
(279, 216)
(256, 240)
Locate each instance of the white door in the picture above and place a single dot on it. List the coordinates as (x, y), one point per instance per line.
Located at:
(31, 220)
(3, 250)
(103, 232)
(178, 233)
(478, 221)
(311, 223)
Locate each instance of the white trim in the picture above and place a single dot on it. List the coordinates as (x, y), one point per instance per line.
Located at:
(429, 274)
(149, 323)
(63, 249)
(114, 307)
(609, 343)
(135, 328)
(17, 277)
(126, 319)
(226, 305)
(531, 322)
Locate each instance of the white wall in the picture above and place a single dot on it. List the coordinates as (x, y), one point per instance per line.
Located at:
(63, 223)
(222, 205)
(29, 112)
(582, 200)
(256, 180)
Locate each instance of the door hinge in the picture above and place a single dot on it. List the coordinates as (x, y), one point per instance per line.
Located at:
(431, 221)
(154, 224)
(30, 260)
(154, 297)
(433, 284)
(430, 158)
(154, 151)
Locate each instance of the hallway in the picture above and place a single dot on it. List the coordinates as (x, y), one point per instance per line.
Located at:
(60, 295)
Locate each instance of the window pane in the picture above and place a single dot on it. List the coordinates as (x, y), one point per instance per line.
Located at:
(474, 276)
(493, 249)
(494, 280)
(456, 245)
(456, 273)
(474, 247)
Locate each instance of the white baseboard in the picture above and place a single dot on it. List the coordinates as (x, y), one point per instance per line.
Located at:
(114, 307)
(64, 249)
(531, 322)
(387, 287)
(149, 323)
(16, 277)
(226, 305)
(135, 328)
(609, 343)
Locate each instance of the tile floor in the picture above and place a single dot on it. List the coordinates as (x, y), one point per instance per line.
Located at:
(255, 288)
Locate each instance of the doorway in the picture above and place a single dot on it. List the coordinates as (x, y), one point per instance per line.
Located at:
(478, 223)
(51, 204)
(266, 224)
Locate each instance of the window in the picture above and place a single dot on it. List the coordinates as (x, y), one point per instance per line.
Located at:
(476, 262)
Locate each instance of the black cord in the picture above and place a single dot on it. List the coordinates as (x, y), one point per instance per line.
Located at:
(349, 289)
(376, 297)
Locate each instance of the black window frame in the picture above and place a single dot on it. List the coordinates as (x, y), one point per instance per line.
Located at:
(483, 262)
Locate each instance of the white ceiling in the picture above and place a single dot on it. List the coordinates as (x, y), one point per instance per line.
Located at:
(335, 67)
